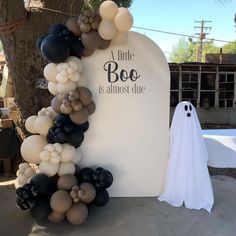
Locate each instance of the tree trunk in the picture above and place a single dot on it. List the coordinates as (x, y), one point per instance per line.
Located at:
(23, 58)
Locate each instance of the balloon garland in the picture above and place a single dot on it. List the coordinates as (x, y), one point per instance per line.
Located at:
(50, 183)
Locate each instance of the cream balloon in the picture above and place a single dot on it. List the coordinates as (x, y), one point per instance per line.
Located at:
(32, 147)
(123, 21)
(77, 61)
(78, 156)
(68, 152)
(29, 124)
(50, 72)
(66, 87)
(52, 87)
(108, 10)
(42, 124)
(48, 168)
(120, 38)
(66, 168)
(107, 29)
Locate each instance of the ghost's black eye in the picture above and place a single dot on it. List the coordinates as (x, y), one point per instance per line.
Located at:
(190, 107)
(185, 107)
(188, 114)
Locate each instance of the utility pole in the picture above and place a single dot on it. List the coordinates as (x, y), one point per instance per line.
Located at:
(202, 36)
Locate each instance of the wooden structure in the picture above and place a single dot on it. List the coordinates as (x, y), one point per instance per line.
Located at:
(211, 88)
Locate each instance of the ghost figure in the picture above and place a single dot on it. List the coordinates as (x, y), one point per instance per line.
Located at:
(187, 179)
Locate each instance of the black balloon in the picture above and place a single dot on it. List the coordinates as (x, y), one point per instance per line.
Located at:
(43, 182)
(55, 48)
(102, 198)
(42, 208)
(76, 47)
(21, 203)
(84, 127)
(86, 175)
(40, 40)
(76, 138)
(57, 29)
(102, 178)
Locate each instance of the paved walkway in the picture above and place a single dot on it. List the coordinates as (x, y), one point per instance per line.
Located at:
(131, 217)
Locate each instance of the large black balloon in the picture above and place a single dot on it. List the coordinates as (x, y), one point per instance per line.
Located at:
(86, 175)
(55, 48)
(76, 138)
(42, 208)
(57, 29)
(76, 48)
(43, 182)
(40, 40)
(102, 198)
(103, 178)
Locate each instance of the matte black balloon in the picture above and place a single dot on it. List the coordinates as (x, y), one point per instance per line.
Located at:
(42, 209)
(84, 127)
(55, 48)
(57, 29)
(86, 175)
(103, 178)
(76, 138)
(21, 204)
(76, 48)
(31, 203)
(101, 199)
(35, 190)
(40, 40)
(43, 182)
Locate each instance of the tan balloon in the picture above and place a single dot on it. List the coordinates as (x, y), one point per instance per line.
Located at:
(79, 117)
(56, 217)
(77, 214)
(120, 38)
(108, 10)
(66, 87)
(104, 44)
(91, 107)
(73, 26)
(107, 29)
(87, 52)
(91, 40)
(50, 72)
(68, 152)
(87, 192)
(48, 168)
(29, 124)
(60, 201)
(66, 168)
(52, 87)
(32, 147)
(123, 21)
(42, 124)
(66, 182)
(56, 104)
(85, 95)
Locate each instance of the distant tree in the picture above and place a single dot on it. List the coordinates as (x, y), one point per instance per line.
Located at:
(229, 47)
(186, 51)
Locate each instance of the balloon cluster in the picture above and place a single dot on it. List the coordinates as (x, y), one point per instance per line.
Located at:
(54, 189)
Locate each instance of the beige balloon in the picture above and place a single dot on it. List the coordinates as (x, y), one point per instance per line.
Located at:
(66, 182)
(29, 124)
(108, 10)
(120, 38)
(72, 25)
(42, 124)
(66, 168)
(123, 21)
(52, 88)
(32, 147)
(50, 72)
(60, 201)
(56, 217)
(48, 168)
(68, 152)
(77, 61)
(77, 214)
(66, 87)
(79, 117)
(107, 29)
(87, 192)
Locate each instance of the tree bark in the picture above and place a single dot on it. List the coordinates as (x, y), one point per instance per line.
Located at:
(24, 60)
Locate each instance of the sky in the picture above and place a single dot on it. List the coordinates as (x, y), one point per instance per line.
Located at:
(179, 15)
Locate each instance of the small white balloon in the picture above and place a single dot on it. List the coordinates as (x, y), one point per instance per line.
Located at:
(50, 72)
(108, 10)
(32, 147)
(29, 124)
(57, 147)
(66, 87)
(107, 29)
(66, 168)
(42, 125)
(29, 172)
(123, 20)
(22, 179)
(52, 87)
(48, 168)
(68, 152)
(44, 155)
(76, 61)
